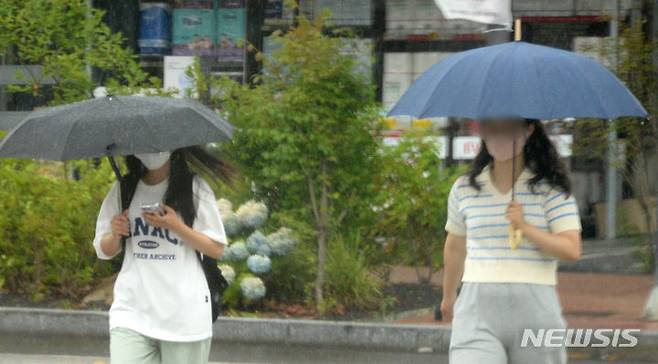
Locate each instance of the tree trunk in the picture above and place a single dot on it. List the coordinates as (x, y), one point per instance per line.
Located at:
(319, 280)
(321, 215)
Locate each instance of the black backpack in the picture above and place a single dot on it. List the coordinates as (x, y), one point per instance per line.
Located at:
(216, 281)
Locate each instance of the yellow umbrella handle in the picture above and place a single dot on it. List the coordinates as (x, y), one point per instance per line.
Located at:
(515, 237)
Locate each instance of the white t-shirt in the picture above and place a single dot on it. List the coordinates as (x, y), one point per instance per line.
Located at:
(161, 290)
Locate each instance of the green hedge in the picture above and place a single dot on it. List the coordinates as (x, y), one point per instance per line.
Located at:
(47, 226)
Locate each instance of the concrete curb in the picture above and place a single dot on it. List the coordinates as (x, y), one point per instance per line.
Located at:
(359, 335)
(58, 322)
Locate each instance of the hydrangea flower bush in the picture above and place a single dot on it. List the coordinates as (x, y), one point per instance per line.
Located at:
(249, 258)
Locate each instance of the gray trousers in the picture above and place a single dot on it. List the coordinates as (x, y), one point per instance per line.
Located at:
(489, 320)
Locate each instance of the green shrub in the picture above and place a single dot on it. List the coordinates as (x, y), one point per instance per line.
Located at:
(292, 276)
(47, 227)
(350, 282)
(412, 203)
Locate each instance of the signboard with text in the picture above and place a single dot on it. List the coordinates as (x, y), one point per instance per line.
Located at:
(467, 147)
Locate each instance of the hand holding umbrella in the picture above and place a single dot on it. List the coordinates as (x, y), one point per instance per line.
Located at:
(514, 214)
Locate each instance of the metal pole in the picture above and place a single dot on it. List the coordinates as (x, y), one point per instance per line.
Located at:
(654, 38)
(611, 186)
(611, 177)
(651, 306)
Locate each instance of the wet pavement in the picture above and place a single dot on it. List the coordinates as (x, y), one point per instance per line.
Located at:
(81, 350)
(588, 300)
(95, 351)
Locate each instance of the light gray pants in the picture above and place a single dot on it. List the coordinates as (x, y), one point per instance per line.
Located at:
(489, 319)
(128, 346)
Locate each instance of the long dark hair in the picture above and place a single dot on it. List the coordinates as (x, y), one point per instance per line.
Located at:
(540, 157)
(179, 192)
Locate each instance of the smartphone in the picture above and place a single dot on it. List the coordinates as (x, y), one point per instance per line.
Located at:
(155, 208)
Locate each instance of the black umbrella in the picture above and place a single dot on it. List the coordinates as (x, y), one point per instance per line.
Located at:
(113, 126)
(9, 119)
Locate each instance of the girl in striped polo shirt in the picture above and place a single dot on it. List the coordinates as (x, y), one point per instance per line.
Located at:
(504, 289)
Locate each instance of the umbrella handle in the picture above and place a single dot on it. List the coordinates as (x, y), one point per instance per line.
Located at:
(515, 237)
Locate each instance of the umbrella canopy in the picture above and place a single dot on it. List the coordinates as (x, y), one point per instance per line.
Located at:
(518, 79)
(114, 125)
(9, 119)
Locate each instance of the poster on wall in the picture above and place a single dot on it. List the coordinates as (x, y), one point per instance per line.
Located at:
(194, 31)
(231, 31)
(154, 28)
(175, 77)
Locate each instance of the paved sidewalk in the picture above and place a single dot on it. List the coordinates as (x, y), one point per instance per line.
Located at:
(589, 300)
(601, 290)
(72, 359)
(66, 359)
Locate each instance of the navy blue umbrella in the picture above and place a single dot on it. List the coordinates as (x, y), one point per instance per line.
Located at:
(518, 79)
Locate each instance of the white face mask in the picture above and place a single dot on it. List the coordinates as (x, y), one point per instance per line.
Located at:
(153, 160)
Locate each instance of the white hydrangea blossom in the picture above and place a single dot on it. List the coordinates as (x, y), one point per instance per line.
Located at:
(257, 242)
(231, 223)
(252, 214)
(252, 288)
(224, 205)
(265, 250)
(228, 272)
(229, 218)
(259, 264)
(282, 241)
(237, 251)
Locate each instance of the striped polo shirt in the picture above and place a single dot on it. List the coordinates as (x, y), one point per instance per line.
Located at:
(480, 216)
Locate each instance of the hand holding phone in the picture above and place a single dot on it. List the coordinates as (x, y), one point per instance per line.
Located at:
(154, 208)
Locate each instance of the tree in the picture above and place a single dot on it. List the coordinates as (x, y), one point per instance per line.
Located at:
(68, 39)
(306, 133)
(635, 68)
(412, 201)
(42, 256)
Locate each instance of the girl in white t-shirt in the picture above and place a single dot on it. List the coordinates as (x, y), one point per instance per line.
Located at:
(508, 292)
(161, 311)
